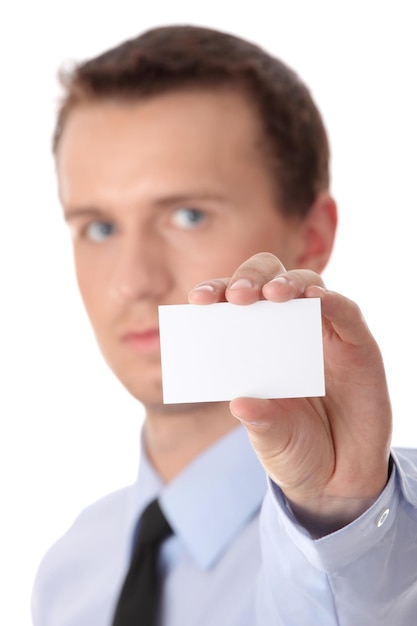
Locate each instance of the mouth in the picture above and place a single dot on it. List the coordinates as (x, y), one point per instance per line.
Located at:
(142, 341)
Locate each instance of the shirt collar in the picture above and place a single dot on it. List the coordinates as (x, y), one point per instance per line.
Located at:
(211, 500)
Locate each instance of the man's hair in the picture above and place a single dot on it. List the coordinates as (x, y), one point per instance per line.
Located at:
(182, 57)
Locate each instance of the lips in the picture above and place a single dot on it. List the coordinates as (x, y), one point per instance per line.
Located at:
(142, 341)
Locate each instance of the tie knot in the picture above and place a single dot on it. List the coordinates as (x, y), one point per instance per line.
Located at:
(154, 527)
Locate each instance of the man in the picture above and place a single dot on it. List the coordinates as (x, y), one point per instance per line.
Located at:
(183, 157)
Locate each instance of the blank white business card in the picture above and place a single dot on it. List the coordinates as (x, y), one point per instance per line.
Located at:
(223, 351)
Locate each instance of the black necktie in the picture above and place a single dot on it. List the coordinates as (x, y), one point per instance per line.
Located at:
(139, 597)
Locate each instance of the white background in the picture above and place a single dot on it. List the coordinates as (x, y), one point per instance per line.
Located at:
(68, 431)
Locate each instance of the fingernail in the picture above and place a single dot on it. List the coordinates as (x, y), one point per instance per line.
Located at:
(241, 283)
(203, 287)
(280, 279)
(245, 422)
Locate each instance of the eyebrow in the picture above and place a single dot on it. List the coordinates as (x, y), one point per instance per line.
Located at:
(190, 197)
(82, 212)
(74, 213)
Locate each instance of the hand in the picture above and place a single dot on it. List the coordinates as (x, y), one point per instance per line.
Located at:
(328, 455)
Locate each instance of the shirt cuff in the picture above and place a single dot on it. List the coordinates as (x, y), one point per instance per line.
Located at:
(344, 546)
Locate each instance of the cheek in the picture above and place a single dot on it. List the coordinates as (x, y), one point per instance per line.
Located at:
(220, 257)
(274, 237)
(91, 286)
(217, 262)
(246, 244)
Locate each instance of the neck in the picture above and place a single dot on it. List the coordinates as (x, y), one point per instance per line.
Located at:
(177, 434)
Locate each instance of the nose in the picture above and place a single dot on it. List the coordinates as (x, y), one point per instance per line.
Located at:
(140, 270)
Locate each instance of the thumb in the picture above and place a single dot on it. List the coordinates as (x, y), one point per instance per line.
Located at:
(290, 440)
(265, 421)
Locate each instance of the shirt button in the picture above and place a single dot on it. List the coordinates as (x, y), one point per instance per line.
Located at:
(382, 517)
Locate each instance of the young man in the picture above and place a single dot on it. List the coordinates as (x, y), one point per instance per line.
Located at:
(183, 157)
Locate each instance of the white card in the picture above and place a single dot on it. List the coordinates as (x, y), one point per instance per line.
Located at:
(223, 351)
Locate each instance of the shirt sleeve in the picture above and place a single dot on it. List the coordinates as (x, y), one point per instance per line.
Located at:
(363, 575)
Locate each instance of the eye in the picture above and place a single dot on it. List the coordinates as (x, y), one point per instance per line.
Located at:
(98, 231)
(188, 217)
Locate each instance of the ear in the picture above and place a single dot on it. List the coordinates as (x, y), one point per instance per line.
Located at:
(318, 232)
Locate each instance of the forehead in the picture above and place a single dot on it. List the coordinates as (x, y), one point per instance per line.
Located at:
(215, 135)
(185, 114)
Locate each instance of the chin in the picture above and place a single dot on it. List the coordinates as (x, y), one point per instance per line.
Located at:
(143, 381)
(148, 394)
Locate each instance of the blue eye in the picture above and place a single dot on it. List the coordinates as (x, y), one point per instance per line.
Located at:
(97, 231)
(188, 218)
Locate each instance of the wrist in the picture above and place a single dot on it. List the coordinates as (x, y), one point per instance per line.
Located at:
(323, 514)
(323, 517)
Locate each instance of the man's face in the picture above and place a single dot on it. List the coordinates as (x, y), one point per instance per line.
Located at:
(161, 194)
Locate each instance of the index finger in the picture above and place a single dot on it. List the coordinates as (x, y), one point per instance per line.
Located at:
(244, 286)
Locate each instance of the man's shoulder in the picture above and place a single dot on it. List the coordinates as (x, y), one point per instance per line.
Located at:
(103, 515)
(405, 456)
(91, 553)
(406, 463)
(99, 523)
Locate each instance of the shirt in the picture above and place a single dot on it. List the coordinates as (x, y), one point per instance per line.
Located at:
(228, 564)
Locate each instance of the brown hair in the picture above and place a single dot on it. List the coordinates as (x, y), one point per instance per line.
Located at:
(175, 57)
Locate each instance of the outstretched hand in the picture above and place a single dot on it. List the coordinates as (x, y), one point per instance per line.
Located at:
(328, 455)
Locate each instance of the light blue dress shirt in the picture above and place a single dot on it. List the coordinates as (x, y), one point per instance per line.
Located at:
(229, 565)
